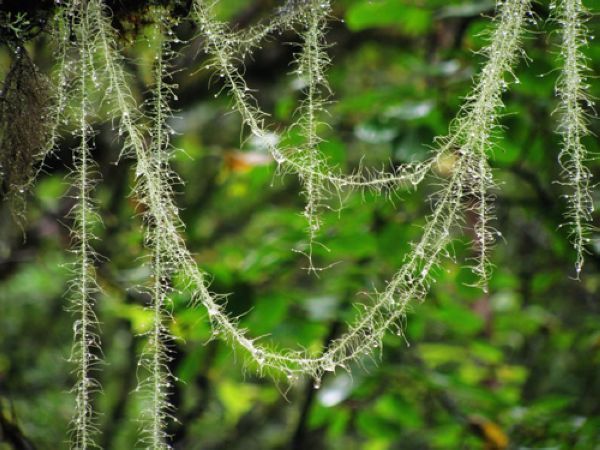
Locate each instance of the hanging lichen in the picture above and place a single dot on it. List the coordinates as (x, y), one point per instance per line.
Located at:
(25, 105)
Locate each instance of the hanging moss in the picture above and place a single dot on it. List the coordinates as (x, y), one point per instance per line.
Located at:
(128, 16)
(24, 129)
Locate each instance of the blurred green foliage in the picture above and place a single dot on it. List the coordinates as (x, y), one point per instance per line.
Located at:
(516, 368)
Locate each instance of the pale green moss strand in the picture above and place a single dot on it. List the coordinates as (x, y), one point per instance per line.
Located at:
(311, 63)
(156, 354)
(474, 127)
(83, 287)
(365, 334)
(572, 90)
(224, 61)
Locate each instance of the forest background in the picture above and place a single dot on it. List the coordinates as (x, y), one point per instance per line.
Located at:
(514, 367)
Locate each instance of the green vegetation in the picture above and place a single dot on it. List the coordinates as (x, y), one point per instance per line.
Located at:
(213, 273)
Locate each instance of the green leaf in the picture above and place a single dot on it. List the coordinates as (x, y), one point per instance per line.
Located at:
(409, 19)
